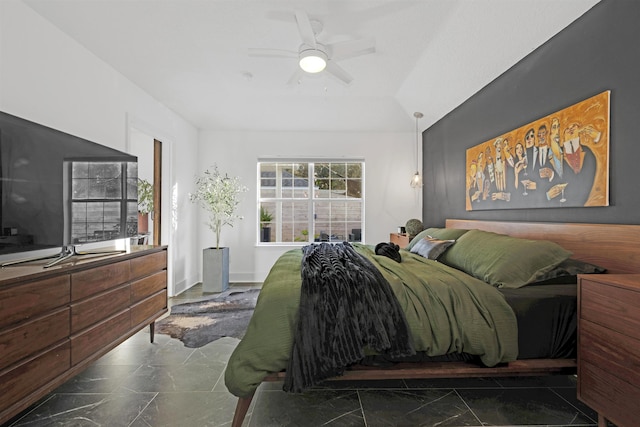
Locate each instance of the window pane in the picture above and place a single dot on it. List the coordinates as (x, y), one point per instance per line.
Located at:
(354, 170)
(267, 192)
(322, 170)
(112, 212)
(338, 188)
(322, 187)
(285, 175)
(80, 188)
(338, 170)
(354, 188)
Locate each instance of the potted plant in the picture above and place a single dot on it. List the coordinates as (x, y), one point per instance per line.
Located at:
(265, 223)
(145, 204)
(219, 195)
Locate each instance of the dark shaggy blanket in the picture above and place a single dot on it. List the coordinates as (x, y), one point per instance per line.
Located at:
(201, 322)
(346, 305)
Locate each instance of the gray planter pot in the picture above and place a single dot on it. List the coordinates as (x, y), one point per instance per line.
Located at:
(215, 269)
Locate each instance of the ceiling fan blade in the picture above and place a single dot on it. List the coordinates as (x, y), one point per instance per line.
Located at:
(353, 48)
(272, 53)
(305, 29)
(338, 72)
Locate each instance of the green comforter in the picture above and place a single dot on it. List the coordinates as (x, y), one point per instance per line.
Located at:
(446, 310)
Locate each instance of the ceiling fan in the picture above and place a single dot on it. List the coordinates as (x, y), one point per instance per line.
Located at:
(315, 57)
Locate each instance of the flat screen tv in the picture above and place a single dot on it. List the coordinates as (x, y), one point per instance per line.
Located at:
(61, 195)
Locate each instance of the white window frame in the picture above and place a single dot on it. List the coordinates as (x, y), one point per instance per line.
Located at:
(277, 218)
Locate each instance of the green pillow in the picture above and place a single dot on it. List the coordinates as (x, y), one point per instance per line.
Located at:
(501, 260)
(438, 233)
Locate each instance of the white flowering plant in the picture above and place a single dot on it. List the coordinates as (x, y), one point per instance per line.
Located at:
(219, 195)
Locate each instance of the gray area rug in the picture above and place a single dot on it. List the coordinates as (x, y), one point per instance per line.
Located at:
(199, 323)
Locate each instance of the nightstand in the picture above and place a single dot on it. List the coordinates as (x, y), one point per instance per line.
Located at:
(609, 346)
(401, 240)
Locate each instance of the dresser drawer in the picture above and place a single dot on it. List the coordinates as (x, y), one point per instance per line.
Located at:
(99, 337)
(142, 288)
(98, 308)
(147, 308)
(611, 306)
(23, 379)
(148, 264)
(90, 282)
(27, 300)
(617, 353)
(31, 337)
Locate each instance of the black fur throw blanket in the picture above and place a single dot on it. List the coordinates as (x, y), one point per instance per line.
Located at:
(345, 305)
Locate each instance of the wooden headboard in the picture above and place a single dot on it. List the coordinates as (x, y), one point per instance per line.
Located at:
(613, 246)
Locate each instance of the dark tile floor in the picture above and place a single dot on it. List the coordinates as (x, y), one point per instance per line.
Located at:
(139, 384)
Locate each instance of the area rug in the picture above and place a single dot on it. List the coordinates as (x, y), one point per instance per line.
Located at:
(199, 323)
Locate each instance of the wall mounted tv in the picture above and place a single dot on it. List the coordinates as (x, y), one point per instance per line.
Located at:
(61, 193)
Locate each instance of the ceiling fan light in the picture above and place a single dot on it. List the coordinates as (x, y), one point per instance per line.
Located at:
(313, 60)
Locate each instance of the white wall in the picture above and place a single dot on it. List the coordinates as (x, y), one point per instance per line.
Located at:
(389, 200)
(48, 78)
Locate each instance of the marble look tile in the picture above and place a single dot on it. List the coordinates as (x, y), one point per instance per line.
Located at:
(353, 385)
(214, 352)
(450, 383)
(143, 338)
(522, 406)
(415, 408)
(571, 396)
(540, 381)
(172, 378)
(71, 410)
(314, 408)
(169, 353)
(199, 409)
(98, 379)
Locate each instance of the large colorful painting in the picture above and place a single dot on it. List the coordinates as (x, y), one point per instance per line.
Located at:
(561, 160)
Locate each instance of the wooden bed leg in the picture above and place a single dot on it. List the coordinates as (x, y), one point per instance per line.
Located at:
(241, 411)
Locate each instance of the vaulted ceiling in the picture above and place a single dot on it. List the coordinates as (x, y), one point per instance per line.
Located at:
(193, 55)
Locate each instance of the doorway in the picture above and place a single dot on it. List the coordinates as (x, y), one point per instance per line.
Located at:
(143, 146)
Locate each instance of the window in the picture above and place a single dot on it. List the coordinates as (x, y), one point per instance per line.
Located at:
(306, 201)
(104, 200)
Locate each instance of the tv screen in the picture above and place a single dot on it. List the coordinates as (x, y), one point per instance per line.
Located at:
(59, 190)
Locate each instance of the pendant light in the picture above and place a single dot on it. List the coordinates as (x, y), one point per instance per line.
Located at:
(416, 181)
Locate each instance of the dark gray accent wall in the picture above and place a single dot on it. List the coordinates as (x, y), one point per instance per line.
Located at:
(597, 52)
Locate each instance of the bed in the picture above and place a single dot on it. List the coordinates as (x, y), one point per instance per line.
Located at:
(263, 354)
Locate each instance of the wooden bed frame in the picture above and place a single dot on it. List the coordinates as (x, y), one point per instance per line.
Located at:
(613, 246)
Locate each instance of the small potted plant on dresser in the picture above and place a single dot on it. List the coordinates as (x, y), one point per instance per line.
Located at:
(219, 195)
(145, 204)
(265, 225)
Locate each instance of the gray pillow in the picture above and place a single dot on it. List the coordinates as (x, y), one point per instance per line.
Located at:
(430, 247)
(438, 233)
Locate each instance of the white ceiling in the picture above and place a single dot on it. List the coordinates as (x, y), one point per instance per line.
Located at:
(192, 55)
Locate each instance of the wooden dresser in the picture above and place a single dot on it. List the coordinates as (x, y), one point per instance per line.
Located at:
(609, 346)
(55, 322)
